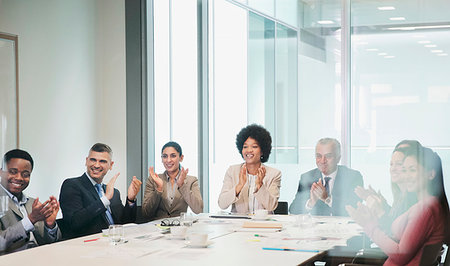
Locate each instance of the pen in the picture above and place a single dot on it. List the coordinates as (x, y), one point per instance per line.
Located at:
(259, 235)
(292, 249)
(90, 240)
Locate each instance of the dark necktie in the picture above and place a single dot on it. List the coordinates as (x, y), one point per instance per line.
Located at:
(327, 184)
(100, 194)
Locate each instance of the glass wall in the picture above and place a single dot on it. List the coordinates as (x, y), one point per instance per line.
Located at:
(400, 82)
(280, 64)
(175, 82)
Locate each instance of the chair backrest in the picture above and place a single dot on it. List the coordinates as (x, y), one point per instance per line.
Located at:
(282, 208)
(430, 254)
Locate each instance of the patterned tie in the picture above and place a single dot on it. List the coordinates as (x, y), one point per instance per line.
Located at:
(100, 194)
(327, 185)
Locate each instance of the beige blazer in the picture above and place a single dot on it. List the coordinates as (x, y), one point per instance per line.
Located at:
(13, 236)
(156, 204)
(267, 196)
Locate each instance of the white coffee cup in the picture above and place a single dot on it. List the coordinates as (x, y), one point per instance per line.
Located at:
(197, 239)
(178, 231)
(261, 214)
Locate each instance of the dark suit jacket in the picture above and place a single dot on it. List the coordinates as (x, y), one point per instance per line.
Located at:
(343, 192)
(84, 212)
(13, 236)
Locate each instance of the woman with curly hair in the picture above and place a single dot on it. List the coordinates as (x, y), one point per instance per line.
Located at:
(251, 185)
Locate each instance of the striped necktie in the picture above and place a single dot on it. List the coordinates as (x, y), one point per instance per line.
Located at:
(327, 184)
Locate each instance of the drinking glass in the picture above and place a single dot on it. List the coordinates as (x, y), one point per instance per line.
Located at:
(115, 233)
(185, 219)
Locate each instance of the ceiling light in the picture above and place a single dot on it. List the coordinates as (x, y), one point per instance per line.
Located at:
(389, 56)
(423, 42)
(325, 22)
(436, 51)
(420, 27)
(384, 8)
(430, 45)
(397, 18)
(443, 54)
(382, 53)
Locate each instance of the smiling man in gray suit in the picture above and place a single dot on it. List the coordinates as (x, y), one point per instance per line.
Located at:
(27, 222)
(327, 189)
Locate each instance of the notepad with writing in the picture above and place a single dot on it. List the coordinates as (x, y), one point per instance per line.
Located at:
(251, 224)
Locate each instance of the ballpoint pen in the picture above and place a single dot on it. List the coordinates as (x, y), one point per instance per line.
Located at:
(90, 240)
(292, 249)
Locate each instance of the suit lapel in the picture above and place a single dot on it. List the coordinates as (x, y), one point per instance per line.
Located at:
(13, 207)
(87, 185)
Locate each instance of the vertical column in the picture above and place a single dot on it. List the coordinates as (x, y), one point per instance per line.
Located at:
(346, 82)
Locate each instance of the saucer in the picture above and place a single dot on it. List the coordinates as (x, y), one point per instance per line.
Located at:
(199, 245)
(260, 219)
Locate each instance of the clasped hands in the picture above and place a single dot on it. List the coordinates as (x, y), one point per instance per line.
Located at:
(159, 182)
(261, 173)
(46, 211)
(317, 191)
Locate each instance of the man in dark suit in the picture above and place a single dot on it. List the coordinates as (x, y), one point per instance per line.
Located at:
(327, 189)
(27, 222)
(87, 205)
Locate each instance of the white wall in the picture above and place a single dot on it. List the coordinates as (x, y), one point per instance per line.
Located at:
(71, 84)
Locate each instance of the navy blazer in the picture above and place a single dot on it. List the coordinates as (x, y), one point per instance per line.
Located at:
(343, 192)
(84, 212)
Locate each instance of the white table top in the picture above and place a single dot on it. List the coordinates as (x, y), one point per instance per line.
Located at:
(230, 244)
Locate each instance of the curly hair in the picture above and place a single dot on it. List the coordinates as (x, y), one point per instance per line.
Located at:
(258, 133)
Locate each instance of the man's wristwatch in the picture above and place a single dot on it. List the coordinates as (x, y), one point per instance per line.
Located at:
(328, 200)
(131, 201)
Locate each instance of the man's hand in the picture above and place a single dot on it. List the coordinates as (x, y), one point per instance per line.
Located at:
(50, 221)
(40, 211)
(242, 179)
(182, 176)
(109, 193)
(134, 188)
(319, 190)
(156, 178)
(260, 177)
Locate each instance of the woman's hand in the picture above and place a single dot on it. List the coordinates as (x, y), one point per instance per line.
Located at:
(242, 179)
(260, 177)
(182, 177)
(363, 193)
(156, 178)
(362, 214)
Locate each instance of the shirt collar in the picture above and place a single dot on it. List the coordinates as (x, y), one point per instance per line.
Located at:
(168, 177)
(92, 180)
(332, 175)
(22, 201)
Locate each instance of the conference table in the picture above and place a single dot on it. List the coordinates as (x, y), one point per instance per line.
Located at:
(278, 240)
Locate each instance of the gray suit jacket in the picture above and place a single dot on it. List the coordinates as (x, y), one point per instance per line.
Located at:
(267, 195)
(13, 236)
(156, 204)
(343, 192)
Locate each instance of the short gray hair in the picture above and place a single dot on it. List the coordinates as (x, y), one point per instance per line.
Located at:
(337, 145)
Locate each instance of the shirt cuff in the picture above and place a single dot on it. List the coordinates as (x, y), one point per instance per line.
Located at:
(105, 201)
(52, 231)
(27, 225)
(307, 207)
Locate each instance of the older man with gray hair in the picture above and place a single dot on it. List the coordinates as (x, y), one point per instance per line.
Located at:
(327, 189)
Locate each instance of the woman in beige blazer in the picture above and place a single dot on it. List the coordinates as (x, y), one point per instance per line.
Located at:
(170, 193)
(251, 185)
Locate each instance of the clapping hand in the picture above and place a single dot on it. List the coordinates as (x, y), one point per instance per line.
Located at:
(362, 214)
(182, 176)
(109, 193)
(159, 182)
(363, 193)
(260, 177)
(134, 188)
(50, 221)
(242, 179)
